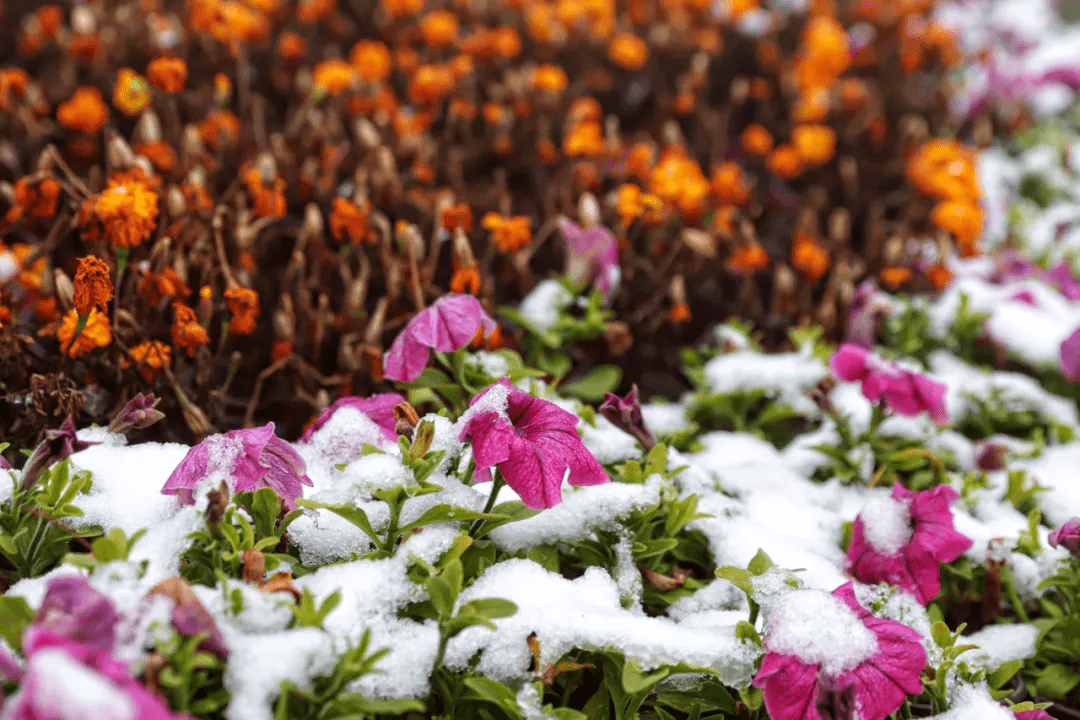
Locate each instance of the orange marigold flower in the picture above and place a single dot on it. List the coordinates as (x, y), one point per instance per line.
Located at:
(894, 277)
(84, 111)
(809, 258)
(853, 94)
(430, 83)
(729, 184)
(583, 140)
(812, 106)
(160, 154)
(372, 60)
(280, 348)
(165, 284)
(678, 179)
(737, 8)
(549, 78)
(944, 169)
(50, 18)
(756, 140)
(149, 357)
(507, 43)
(96, 333)
(439, 28)
(93, 285)
(128, 212)
(347, 218)
(188, 335)
(167, 74)
(333, 76)
(679, 313)
(816, 144)
(457, 216)
(311, 11)
(402, 8)
(628, 51)
(824, 52)
(962, 218)
(244, 306)
(939, 276)
(748, 259)
(785, 162)
(219, 127)
(291, 47)
(269, 200)
(466, 278)
(510, 233)
(131, 93)
(37, 200)
(639, 160)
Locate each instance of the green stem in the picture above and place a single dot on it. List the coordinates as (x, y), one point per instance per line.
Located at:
(1010, 590)
(32, 547)
(496, 486)
(122, 255)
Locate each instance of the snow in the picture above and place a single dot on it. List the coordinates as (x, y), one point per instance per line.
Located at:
(541, 307)
(887, 523)
(787, 376)
(68, 689)
(999, 644)
(819, 629)
(259, 663)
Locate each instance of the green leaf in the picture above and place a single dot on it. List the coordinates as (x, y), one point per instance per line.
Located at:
(492, 691)
(449, 513)
(943, 637)
(490, 608)
(443, 596)
(593, 386)
(760, 563)
(745, 631)
(357, 705)
(635, 680)
(15, 616)
(1003, 674)
(1057, 680)
(738, 577)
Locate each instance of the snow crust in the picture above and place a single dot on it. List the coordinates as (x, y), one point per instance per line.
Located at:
(819, 629)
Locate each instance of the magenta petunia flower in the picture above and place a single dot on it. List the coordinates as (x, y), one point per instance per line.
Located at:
(247, 459)
(1061, 276)
(905, 392)
(379, 409)
(1012, 264)
(67, 680)
(533, 442)
(1068, 535)
(449, 324)
(863, 315)
(75, 610)
(902, 539)
(592, 256)
(826, 650)
(1037, 714)
(190, 617)
(1070, 356)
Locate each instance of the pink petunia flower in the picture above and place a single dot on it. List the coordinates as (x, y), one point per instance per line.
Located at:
(905, 392)
(1037, 714)
(592, 256)
(902, 539)
(449, 324)
(75, 610)
(820, 644)
(247, 459)
(67, 680)
(864, 315)
(1068, 535)
(1011, 264)
(189, 616)
(1061, 276)
(379, 409)
(533, 442)
(1070, 356)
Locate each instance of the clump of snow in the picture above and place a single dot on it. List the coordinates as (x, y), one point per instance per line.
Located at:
(999, 644)
(887, 523)
(664, 418)
(607, 443)
(583, 613)
(541, 307)
(341, 438)
(589, 508)
(491, 364)
(973, 702)
(494, 399)
(787, 376)
(259, 663)
(819, 629)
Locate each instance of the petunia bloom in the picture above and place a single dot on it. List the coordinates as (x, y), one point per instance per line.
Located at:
(1061, 276)
(1036, 714)
(75, 610)
(378, 408)
(1069, 354)
(902, 539)
(863, 315)
(625, 414)
(449, 324)
(189, 616)
(247, 459)
(533, 443)
(592, 256)
(905, 392)
(817, 643)
(1068, 535)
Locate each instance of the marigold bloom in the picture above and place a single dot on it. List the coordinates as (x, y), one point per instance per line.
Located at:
(448, 324)
(291, 47)
(809, 258)
(244, 306)
(149, 357)
(748, 259)
(248, 459)
(372, 60)
(756, 140)
(466, 279)
(160, 154)
(37, 200)
(628, 51)
(939, 276)
(629, 203)
(402, 8)
(333, 76)
(819, 644)
(93, 285)
(188, 335)
(165, 284)
(84, 111)
(219, 127)
(347, 218)
(97, 333)
(128, 211)
(816, 144)
(549, 78)
(532, 442)
(167, 74)
(729, 184)
(963, 219)
(902, 540)
(905, 392)
(944, 169)
(430, 83)
(131, 93)
(785, 162)
(584, 140)
(895, 276)
(311, 11)
(824, 52)
(439, 28)
(510, 233)
(456, 216)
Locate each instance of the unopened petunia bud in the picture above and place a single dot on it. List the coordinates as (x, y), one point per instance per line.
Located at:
(139, 413)
(625, 414)
(1068, 535)
(57, 447)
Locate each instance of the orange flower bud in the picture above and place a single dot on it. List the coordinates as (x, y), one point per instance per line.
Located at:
(188, 335)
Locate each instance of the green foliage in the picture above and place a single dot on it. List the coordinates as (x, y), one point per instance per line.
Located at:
(191, 680)
(114, 545)
(753, 411)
